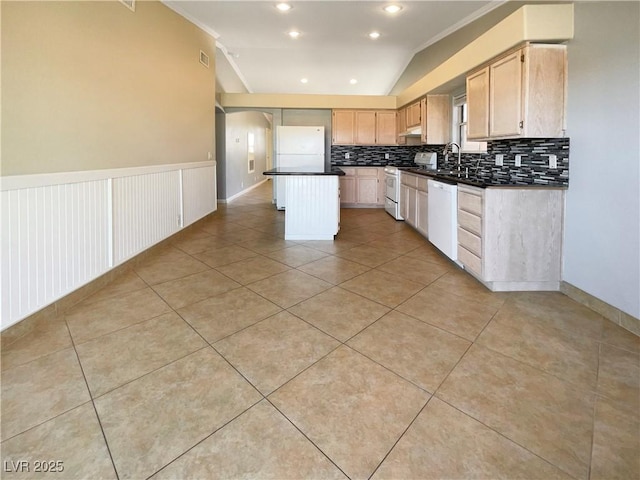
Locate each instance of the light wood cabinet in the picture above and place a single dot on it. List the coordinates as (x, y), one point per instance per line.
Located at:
(436, 119)
(348, 186)
(363, 187)
(478, 104)
(413, 115)
(511, 238)
(364, 127)
(386, 133)
(401, 121)
(343, 127)
(520, 94)
(414, 201)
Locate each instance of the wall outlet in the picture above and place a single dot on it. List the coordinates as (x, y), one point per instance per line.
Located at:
(346, 156)
(499, 159)
(519, 159)
(553, 160)
(209, 156)
(386, 156)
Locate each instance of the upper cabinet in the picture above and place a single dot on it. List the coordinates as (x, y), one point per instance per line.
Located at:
(386, 124)
(520, 94)
(401, 126)
(343, 128)
(413, 113)
(436, 119)
(364, 127)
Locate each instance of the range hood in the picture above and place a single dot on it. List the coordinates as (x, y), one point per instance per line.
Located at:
(412, 132)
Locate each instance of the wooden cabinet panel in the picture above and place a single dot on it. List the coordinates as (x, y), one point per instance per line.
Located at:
(515, 241)
(436, 119)
(422, 205)
(404, 201)
(367, 190)
(412, 212)
(413, 115)
(470, 222)
(366, 127)
(478, 104)
(362, 186)
(402, 126)
(386, 133)
(470, 202)
(347, 189)
(521, 94)
(505, 96)
(343, 127)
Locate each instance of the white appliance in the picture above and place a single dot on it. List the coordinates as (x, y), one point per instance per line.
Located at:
(428, 160)
(392, 191)
(297, 147)
(442, 219)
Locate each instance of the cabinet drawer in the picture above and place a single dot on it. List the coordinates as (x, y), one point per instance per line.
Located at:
(470, 261)
(367, 172)
(470, 203)
(470, 222)
(409, 180)
(349, 172)
(421, 183)
(470, 241)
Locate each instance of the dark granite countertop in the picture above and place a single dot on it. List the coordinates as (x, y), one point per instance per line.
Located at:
(304, 171)
(481, 182)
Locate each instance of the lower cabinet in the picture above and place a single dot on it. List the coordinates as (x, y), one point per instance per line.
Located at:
(362, 187)
(414, 201)
(511, 238)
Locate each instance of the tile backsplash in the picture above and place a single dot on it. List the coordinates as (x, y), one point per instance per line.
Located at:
(533, 169)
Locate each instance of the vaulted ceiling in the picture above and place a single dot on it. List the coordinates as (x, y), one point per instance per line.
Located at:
(333, 52)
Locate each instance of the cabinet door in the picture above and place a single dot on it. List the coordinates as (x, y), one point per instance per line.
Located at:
(365, 127)
(412, 211)
(368, 190)
(436, 119)
(421, 212)
(347, 189)
(402, 125)
(343, 127)
(505, 96)
(386, 128)
(478, 104)
(382, 187)
(404, 201)
(413, 115)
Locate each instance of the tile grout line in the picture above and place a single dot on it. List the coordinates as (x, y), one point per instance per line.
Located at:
(93, 404)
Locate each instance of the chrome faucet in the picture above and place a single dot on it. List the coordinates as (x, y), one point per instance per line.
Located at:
(445, 152)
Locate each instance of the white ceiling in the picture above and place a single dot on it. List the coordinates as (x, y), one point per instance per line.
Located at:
(333, 46)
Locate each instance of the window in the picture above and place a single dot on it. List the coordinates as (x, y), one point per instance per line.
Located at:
(460, 127)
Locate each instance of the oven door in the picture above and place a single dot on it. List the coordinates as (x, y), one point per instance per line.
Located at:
(391, 191)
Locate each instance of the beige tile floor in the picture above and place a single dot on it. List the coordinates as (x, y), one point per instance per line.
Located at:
(236, 354)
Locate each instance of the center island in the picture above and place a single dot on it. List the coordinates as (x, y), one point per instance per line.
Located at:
(312, 202)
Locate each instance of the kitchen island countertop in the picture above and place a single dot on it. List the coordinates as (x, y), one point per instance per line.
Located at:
(304, 171)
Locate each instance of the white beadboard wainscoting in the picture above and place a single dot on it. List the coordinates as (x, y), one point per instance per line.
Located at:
(60, 231)
(312, 207)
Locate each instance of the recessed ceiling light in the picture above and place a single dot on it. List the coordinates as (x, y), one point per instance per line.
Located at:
(353, 81)
(304, 80)
(374, 35)
(393, 8)
(294, 34)
(283, 7)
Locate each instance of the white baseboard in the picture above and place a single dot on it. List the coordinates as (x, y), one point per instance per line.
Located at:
(239, 194)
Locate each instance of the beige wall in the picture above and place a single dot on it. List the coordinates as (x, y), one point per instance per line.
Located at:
(93, 85)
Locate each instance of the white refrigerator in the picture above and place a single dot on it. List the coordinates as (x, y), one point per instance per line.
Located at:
(301, 147)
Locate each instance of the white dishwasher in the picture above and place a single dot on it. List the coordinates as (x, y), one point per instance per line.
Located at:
(442, 218)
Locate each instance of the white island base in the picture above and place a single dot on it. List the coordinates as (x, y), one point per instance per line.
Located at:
(313, 207)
